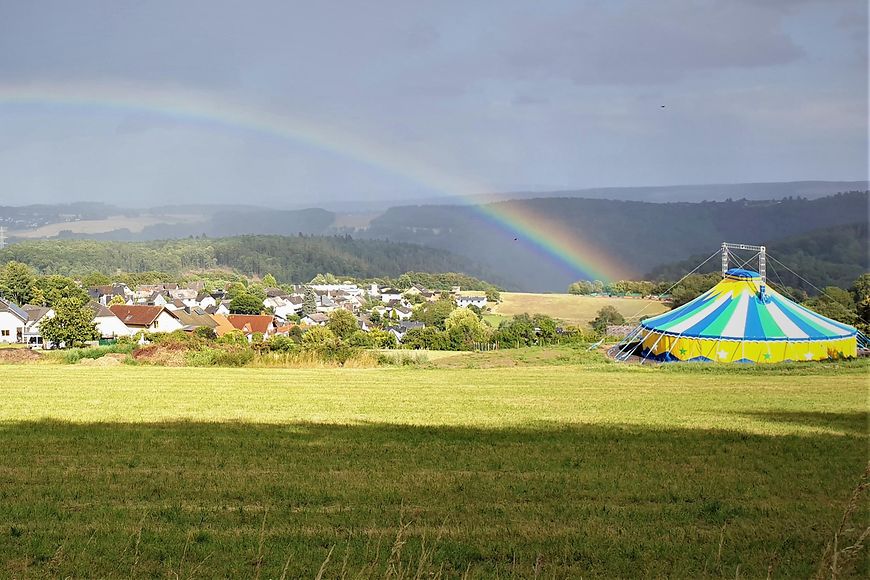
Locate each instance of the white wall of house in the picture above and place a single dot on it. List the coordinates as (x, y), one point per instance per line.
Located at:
(465, 301)
(32, 334)
(112, 327)
(11, 327)
(165, 322)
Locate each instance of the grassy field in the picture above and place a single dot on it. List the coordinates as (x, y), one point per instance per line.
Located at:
(555, 470)
(572, 309)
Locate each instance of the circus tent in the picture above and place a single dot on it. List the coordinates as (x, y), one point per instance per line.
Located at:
(740, 320)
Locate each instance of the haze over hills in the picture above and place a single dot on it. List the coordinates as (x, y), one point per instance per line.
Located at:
(630, 238)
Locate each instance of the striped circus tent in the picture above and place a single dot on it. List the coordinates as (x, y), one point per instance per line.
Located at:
(739, 320)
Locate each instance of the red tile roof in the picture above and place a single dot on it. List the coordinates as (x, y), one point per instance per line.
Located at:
(250, 323)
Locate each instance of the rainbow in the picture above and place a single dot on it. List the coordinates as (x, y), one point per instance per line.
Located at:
(545, 235)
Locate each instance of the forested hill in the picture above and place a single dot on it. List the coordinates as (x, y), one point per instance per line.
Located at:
(640, 235)
(294, 259)
(826, 257)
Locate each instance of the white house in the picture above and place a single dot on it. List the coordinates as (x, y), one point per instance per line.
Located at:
(109, 325)
(465, 300)
(147, 318)
(12, 322)
(390, 294)
(35, 315)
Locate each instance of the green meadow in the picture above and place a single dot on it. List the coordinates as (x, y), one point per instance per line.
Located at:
(547, 469)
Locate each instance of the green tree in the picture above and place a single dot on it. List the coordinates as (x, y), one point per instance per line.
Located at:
(465, 328)
(607, 316)
(861, 296)
(434, 313)
(516, 331)
(269, 281)
(319, 337)
(309, 302)
(246, 303)
(342, 323)
(47, 290)
(72, 323)
(16, 282)
(427, 338)
(835, 303)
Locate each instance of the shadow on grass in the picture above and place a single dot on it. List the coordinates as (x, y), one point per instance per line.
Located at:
(848, 423)
(241, 500)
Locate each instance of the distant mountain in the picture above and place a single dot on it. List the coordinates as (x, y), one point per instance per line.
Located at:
(695, 193)
(639, 235)
(295, 259)
(825, 257)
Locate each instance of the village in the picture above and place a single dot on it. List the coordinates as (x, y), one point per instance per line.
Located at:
(122, 312)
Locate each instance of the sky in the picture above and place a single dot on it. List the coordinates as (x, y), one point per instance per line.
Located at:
(286, 103)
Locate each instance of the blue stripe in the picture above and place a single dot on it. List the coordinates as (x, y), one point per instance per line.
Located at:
(754, 330)
(810, 330)
(696, 304)
(698, 328)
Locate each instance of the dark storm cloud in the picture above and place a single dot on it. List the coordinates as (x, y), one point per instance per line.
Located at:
(505, 94)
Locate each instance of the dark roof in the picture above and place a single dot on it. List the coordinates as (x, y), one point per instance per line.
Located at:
(6, 306)
(99, 310)
(138, 315)
(34, 313)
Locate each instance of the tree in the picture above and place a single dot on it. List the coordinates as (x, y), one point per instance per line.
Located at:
(516, 331)
(434, 313)
(269, 281)
(427, 338)
(342, 323)
(72, 323)
(16, 282)
(309, 302)
(493, 295)
(465, 328)
(319, 337)
(861, 296)
(835, 303)
(48, 290)
(246, 303)
(693, 286)
(117, 300)
(607, 316)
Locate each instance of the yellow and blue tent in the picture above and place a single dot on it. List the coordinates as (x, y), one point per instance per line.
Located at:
(739, 320)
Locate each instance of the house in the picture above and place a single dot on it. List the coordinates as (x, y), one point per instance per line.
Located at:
(108, 325)
(223, 325)
(466, 299)
(390, 294)
(253, 323)
(13, 320)
(193, 318)
(35, 314)
(401, 329)
(105, 294)
(316, 319)
(147, 318)
(204, 300)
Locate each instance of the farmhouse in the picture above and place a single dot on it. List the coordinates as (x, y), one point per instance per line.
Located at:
(146, 318)
(12, 322)
(32, 336)
(108, 325)
(465, 299)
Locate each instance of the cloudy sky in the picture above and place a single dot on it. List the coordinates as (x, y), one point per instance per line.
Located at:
(289, 103)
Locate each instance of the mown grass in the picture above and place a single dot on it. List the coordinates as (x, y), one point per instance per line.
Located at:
(573, 309)
(559, 471)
